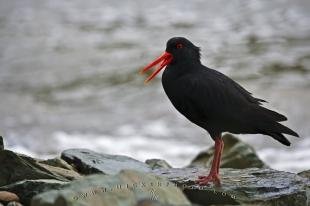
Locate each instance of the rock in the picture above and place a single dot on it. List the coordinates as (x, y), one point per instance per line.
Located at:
(26, 189)
(251, 186)
(68, 174)
(28, 158)
(305, 174)
(128, 188)
(89, 162)
(56, 166)
(6, 197)
(17, 168)
(236, 154)
(1, 143)
(157, 163)
(57, 162)
(14, 204)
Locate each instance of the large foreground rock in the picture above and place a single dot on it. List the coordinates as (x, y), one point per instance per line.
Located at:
(251, 186)
(236, 154)
(128, 188)
(90, 162)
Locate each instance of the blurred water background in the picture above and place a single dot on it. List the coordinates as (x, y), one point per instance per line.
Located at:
(69, 73)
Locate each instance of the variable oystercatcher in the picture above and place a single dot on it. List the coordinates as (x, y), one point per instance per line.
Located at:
(212, 100)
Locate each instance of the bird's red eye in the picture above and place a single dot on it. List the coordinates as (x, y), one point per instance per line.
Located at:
(179, 45)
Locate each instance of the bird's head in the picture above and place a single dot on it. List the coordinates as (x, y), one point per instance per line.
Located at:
(179, 50)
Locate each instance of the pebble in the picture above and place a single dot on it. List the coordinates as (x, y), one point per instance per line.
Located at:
(8, 197)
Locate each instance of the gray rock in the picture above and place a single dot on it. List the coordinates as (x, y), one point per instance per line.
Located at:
(1, 143)
(89, 162)
(236, 154)
(157, 163)
(252, 186)
(26, 189)
(128, 188)
(16, 168)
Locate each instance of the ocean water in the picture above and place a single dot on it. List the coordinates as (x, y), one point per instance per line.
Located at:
(69, 74)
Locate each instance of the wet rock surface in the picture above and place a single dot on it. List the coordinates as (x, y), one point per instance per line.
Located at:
(126, 188)
(253, 186)
(236, 154)
(90, 162)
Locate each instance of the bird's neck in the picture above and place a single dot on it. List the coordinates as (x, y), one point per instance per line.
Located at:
(183, 67)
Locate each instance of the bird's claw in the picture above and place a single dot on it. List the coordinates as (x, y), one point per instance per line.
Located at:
(205, 180)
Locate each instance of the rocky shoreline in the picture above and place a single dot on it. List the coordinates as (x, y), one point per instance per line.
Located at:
(81, 177)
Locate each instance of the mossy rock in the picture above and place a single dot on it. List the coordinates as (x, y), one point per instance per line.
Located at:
(236, 154)
(157, 163)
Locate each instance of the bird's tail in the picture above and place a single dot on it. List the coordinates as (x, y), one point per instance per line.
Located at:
(276, 129)
(275, 116)
(268, 124)
(280, 137)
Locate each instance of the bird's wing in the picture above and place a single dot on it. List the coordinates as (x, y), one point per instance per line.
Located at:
(240, 92)
(233, 86)
(219, 97)
(220, 104)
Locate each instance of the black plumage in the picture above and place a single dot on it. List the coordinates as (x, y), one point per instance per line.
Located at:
(213, 101)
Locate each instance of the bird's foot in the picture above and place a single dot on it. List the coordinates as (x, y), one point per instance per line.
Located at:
(205, 180)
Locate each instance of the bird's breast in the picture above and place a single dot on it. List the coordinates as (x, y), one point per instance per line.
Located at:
(174, 88)
(170, 83)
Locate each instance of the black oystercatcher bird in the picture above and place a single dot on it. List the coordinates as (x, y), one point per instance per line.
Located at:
(212, 100)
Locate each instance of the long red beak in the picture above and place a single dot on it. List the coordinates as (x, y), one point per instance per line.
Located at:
(164, 59)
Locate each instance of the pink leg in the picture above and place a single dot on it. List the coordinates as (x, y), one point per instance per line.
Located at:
(214, 172)
(219, 159)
